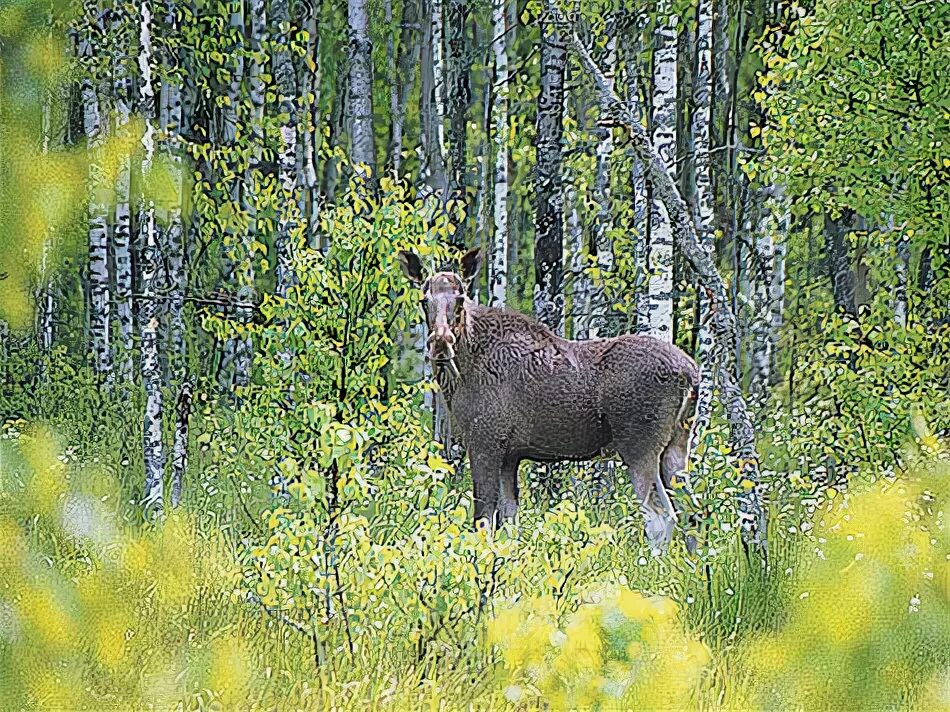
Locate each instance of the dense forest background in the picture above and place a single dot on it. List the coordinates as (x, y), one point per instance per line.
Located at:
(225, 468)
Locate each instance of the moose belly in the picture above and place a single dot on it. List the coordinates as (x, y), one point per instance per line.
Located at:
(563, 429)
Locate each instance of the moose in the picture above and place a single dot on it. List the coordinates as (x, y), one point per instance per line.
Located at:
(516, 391)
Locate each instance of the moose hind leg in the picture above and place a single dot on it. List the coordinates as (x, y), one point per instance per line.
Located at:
(673, 467)
(658, 520)
(508, 491)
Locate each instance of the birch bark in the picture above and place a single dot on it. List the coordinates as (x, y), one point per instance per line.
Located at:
(98, 231)
(549, 221)
(287, 90)
(408, 60)
(599, 317)
(122, 232)
(361, 85)
(660, 285)
(153, 499)
(498, 264)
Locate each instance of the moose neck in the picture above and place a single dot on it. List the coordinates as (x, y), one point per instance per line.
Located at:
(450, 375)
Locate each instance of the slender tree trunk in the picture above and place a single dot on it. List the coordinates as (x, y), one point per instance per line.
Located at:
(287, 90)
(360, 103)
(498, 266)
(45, 297)
(701, 129)
(637, 101)
(660, 287)
(122, 233)
(180, 449)
(752, 513)
(153, 499)
(839, 261)
(764, 241)
(408, 61)
(174, 238)
(902, 268)
(432, 107)
(309, 123)
(549, 223)
(599, 308)
(238, 351)
(460, 99)
(777, 288)
(98, 232)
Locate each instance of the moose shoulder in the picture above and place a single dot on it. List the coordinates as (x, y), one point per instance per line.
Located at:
(517, 391)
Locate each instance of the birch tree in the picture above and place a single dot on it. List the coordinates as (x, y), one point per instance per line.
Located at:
(98, 230)
(460, 99)
(432, 106)
(286, 91)
(170, 216)
(599, 307)
(752, 513)
(498, 264)
(408, 61)
(122, 231)
(549, 227)
(361, 85)
(153, 499)
(660, 285)
(701, 129)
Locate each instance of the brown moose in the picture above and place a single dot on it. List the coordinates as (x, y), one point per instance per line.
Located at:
(516, 391)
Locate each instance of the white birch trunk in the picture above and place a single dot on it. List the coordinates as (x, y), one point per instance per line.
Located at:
(122, 233)
(660, 286)
(153, 499)
(361, 85)
(902, 269)
(44, 296)
(498, 265)
(286, 157)
(409, 51)
(549, 215)
(599, 318)
(701, 128)
(98, 232)
(432, 105)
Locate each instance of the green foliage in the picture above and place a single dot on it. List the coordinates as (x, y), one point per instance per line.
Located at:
(854, 100)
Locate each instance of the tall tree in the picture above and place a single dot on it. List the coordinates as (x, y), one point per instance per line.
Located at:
(287, 91)
(432, 106)
(153, 499)
(122, 232)
(98, 232)
(498, 263)
(701, 129)
(840, 270)
(660, 286)
(460, 97)
(408, 60)
(603, 242)
(360, 102)
(549, 224)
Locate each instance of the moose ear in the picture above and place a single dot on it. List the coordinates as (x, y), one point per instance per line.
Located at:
(411, 266)
(470, 263)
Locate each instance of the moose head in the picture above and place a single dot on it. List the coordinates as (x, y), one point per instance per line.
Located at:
(443, 302)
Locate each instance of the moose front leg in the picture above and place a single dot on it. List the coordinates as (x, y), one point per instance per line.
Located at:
(486, 471)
